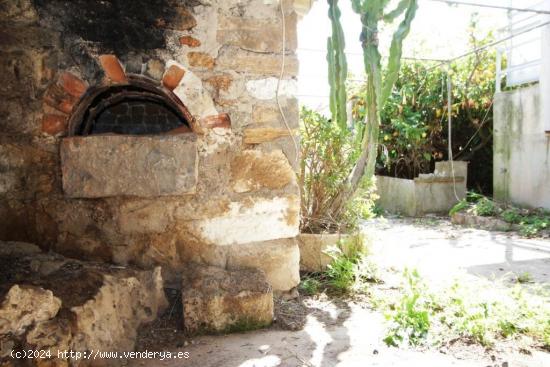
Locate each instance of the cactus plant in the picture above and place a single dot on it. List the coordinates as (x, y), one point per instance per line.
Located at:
(379, 84)
(337, 66)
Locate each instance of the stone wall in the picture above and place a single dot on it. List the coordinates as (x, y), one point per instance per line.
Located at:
(218, 59)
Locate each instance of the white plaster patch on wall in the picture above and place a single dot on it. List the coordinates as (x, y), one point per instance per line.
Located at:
(206, 29)
(265, 89)
(263, 220)
(193, 95)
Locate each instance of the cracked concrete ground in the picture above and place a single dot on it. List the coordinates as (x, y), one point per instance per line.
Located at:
(339, 333)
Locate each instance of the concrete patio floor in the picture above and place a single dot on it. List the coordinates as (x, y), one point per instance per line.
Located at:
(442, 251)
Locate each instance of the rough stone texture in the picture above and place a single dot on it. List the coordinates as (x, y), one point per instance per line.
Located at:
(268, 114)
(253, 170)
(129, 165)
(263, 135)
(217, 300)
(26, 305)
(200, 60)
(266, 89)
(191, 92)
(257, 35)
(255, 63)
(50, 56)
(278, 259)
(52, 303)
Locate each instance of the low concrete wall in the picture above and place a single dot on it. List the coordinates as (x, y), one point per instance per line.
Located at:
(397, 195)
(521, 160)
(433, 193)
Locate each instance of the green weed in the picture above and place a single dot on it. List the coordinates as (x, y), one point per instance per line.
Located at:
(310, 285)
(525, 277)
(350, 267)
(475, 312)
(459, 207)
(410, 320)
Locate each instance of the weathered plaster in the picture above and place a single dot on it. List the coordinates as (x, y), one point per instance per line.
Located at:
(521, 168)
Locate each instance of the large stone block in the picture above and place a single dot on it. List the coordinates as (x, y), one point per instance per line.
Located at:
(231, 58)
(145, 216)
(278, 259)
(217, 300)
(253, 170)
(250, 220)
(258, 35)
(145, 166)
(268, 115)
(24, 306)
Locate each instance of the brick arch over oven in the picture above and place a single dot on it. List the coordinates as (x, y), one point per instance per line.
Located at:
(68, 99)
(99, 99)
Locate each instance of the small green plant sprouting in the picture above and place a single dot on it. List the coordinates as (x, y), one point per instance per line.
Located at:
(310, 285)
(459, 207)
(475, 312)
(511, 215)
(485, 207)
(350, 267)
(525, 277)
(410, 320)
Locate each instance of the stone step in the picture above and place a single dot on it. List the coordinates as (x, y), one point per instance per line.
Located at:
(216, 300)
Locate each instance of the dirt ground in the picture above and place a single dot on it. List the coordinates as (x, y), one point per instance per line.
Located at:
(349, 333)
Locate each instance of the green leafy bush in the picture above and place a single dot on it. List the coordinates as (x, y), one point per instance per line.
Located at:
(328, 154)
(485, 207)
(511, 215)
(413, 130)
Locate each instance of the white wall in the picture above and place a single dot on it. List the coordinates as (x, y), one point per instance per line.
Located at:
(545, 78)
(521, 169)
(521, 157)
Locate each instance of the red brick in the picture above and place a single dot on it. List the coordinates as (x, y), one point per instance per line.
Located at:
(54, 124)
(56, 97)
(72, 84)
(221, 121)
(172, 77)
(113, 69)
(189, 41)
(179, 130)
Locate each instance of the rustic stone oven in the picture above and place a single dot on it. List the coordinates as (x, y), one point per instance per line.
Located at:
(148, 133)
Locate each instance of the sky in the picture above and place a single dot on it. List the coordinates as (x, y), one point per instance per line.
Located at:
(438, 31)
